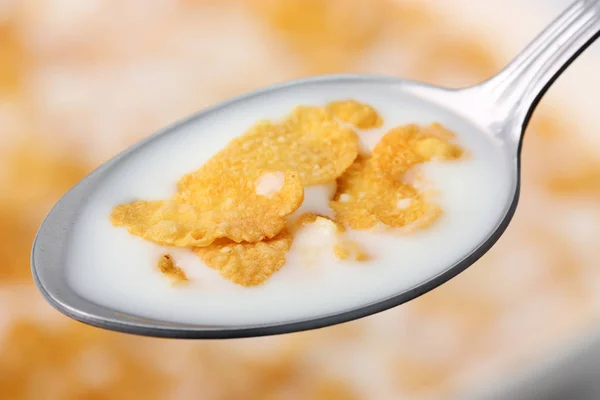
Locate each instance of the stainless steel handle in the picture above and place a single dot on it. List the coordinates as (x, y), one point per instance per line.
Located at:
(517, 89)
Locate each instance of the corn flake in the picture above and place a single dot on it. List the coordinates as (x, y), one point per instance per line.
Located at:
(406, 146)
(362, 116)
(310, 142)
(167, 266)
(365, 197)
(247, 264)
(372, 190)
(171, 223)
(226, 208)
(223, 190)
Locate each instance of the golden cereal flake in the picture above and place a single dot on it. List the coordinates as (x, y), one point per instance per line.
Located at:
(167, 266)
(406, 146)
(220, 206)
(247, 264)
(168, 223)
(171, 223)
(372, 190)
(366, 197)
(229, 190)
(360, 115)
(309, 141)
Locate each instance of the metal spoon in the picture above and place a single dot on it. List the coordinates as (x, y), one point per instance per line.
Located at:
(499, 107)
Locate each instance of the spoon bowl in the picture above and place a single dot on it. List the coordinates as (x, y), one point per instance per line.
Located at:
(498, 109)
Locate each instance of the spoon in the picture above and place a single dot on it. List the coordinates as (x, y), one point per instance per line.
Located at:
(499, 107)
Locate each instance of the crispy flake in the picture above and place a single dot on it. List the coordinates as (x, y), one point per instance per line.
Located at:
(235, 191)
(362, 116)
(206, 210)
(372, 190)
(247, 264)
(370, 197)
(406, 146)
(310, 142)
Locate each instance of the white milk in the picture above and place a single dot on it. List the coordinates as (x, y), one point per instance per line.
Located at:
(109, 266)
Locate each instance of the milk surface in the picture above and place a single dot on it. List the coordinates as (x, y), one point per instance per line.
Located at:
(111, 267)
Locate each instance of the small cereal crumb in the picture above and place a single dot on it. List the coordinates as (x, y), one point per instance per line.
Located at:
(345, 249)
(362, 116)
(248, 264)
(341, 252)
(167, 266)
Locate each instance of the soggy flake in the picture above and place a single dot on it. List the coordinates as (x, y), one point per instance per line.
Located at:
(406, 146)
(361, 115)
(167, 266)
(247, 264)
(309, 141)
(204, 211)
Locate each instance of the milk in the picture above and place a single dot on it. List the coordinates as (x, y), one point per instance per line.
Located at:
(111, 267)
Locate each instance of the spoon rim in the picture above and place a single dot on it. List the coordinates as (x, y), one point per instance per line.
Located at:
(70, 303)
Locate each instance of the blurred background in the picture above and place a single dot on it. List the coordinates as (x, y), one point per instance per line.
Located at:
(82, 79)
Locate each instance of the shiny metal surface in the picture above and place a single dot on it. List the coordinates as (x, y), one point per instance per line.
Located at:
(500, 107)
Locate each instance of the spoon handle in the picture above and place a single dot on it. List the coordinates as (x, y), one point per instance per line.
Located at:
(517, 89)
